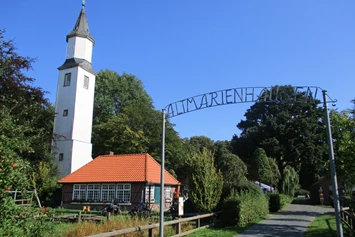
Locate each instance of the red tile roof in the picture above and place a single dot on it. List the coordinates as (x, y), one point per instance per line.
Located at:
(120, 168)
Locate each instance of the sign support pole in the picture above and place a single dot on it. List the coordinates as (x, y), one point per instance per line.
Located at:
(162, 198)
(332, 168)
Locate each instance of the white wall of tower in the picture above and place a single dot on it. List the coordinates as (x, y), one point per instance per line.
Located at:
(75, 101)
(75, 128)
(83, 107)
(65, 148)
(79, 48)
(81, 154)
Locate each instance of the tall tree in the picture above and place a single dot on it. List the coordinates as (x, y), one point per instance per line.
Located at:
(275, 177)
(260, 168)
(205, 182)
(221, 148)
(234, 171)
(113, 92)
(200, 143)
(289, 182)
(292, 133)
(125, 121)
(25, 136)
(28, 108)
(343, 129)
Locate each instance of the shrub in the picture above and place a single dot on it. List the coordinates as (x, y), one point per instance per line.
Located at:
(285, 199)
(244, 206)
(274, 202)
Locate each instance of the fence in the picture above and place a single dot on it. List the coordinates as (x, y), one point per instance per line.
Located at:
(348, 219)
(27, 200)
(150, 228)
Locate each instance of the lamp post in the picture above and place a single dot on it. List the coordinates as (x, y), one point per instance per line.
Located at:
(162, 201)
(332, 168)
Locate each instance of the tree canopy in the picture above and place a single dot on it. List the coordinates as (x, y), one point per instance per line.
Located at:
(26, 123)
(260, 168)
(343, 131)
(205, 181)
(125, 121)
(291, 133)
(114, 92)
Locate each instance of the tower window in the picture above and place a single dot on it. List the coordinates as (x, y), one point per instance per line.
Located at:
(65, 113)
(67, 79)
(86, 82)
(61, 156)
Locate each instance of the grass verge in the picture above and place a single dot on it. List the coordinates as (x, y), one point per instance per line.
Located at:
(325, 226)
(223, 232)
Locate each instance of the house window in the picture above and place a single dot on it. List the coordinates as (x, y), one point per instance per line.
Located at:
(67, 79)
(123, 193)
(79, 192)
(167, 191)
(65, 113)
(108, 192)
(93, 192)
(61, 157)
(86, 82)
(149, 195)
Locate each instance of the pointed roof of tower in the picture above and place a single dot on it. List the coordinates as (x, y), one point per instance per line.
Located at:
(81, 28)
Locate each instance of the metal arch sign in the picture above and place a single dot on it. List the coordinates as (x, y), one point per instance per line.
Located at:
(277, 94)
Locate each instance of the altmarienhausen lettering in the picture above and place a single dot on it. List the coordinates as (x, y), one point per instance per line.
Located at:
(244, 95)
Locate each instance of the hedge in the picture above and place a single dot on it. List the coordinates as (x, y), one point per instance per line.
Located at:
(244, 205)
(274, 202)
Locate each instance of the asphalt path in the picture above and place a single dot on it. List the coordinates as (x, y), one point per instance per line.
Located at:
(291, 221)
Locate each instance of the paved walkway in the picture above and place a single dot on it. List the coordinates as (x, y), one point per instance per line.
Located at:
(292, 221)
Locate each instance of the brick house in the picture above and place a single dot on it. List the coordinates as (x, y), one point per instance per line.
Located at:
(323, 187)
(129, 178)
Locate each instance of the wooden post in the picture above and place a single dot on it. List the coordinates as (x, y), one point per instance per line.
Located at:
(37, 198)
(178, 228)
(151, 232)
(79, 216)
(198, 223)
(108, 216)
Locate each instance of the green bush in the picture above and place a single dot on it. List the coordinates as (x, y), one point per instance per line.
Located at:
(285, 199)
(231, 211)
(244, 205)
(274, 202)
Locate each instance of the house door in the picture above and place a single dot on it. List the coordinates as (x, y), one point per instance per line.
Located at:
(157, 195)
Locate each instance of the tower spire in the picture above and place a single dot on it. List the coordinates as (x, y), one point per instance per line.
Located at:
(81, 28)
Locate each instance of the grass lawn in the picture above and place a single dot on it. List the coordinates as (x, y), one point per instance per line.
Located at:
(325, 226)
(222, 232)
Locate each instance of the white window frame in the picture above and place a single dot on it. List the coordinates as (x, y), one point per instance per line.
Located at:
(108, 192)
(123, 192)
(67, 79)
(93, 192)
(167, 193)
(152, 188)
(79, 192)
(86, 82)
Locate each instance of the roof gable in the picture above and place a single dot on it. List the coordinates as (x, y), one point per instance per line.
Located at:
(120, 168)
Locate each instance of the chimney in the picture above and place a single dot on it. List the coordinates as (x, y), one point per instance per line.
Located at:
(109, 153)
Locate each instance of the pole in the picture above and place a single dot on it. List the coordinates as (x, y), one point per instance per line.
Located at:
(162, 199)
(332, 168)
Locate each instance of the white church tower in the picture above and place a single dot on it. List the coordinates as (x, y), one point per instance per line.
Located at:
(75, 100)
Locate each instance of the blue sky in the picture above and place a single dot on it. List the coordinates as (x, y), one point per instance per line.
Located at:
(189, 47)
